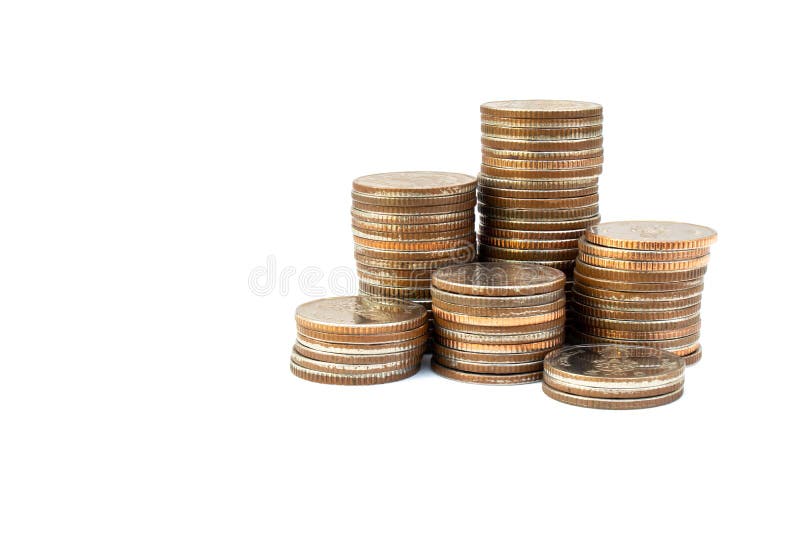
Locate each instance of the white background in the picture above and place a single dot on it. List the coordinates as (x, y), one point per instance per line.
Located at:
(152, 154)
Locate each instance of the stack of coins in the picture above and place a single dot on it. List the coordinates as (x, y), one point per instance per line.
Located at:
(494, 322)
(358, 340)
(408, 224)
(615, 377)
(537, 190)
(640, 283)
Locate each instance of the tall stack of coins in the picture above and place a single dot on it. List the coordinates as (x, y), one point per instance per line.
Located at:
(640, 283)
(494, 322)
(615, 377)
(406, 225)
(359, 340)
(537, 190)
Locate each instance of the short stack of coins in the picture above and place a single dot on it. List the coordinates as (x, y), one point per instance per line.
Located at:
(359, 340)
(408, 224)
(640, 283)
(614, 377)
(537, 190)
(495, 322)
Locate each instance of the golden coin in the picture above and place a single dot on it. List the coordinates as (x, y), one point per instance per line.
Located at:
(359, 315)
(523, 184)
(500, 330)
(542, 109)
(587, 321)
(643, 266)
(567, 214)
(488, 367)
(636, 306)
(612, 393)
(678, 346)
(577, 306)
(414, 264)
(380, 272)
(359, 349)
(496, 321)
(393, 218)
(411, 283)
(383, 200)
(455, 254)
(405, 293)
(522, 145)
(525, 154)
(353, 369)
(564, 266)
(612, 404)
(497, 339)
(538, 203)
(415, 210)
(369, 226)
(477, 378)
(514, 251)
(601, 273)
(541, 134)
(359, 339)
(493, 311)
(529, 235)
(643, 336)
(415, 183)
(498, 279)
(671, 299)
(423, 236)
(509, 122)
(504, 163)
(694, 357)
(651, 235)
(352, 379)
(414, 353)
(631, 286)
(495, 302)
(494, 357)
(642, 255)
(445, 244)
(543, 175)
(537, 226)
(536, 194)
(544, 245)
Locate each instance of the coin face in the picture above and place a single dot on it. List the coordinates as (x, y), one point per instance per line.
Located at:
(541, 109)
(415, 183)
(498, 279)
(601, 365)
(651, 235)
(360, 315)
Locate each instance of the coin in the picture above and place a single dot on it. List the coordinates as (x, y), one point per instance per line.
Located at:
(524, 184)
(498, 279)
(550, 194)
(577, 306)
(392, 292)
(497, 302)
(500, 330)
(537, 225)
(531, 244)
(488, 367)
(364, 339)
(453, 254)
(477, 378)
(541, 109)
(352, 379)
(543, 175)
(353, 369)
(415, 210)
(520, 254)
(612, 404)
(621, 275)
(496, 339)
(415, 183)
(629, 325)
(510, 122)
(407, 245)
(360, 358)
(567, 214)
(411, 201)
(649, 335)
(352, 350)
(465, 255)
(651, 235)
(395, 218)
(541, 134)
(638, 305)
(424, 236)
(565, 266)
(369, 226)
(523, 145)
(359, 315)
(412, 283)
(493, 311)
(694, 357)
(507, 163)
(526, 154)
(616, 285)
(493, 357)
(641, 255)
(678, 346)
(496, 321)
(379, 272)
(537, 203)
(642, 266)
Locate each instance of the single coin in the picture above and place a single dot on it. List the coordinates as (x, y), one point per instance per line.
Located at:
(490, 357)
(455, 254)
(694, 357)
(403, 229)
(359, 315)
(392, 292)
(564, 266)
(566, 214)
(543, 175)
(495, 301)
(415, 183)
(414, 353)
(515, 252)
(641, 255)
(498, 279)
(506, 163)
(526, 154)
(379, 272)
(394, 218)
(383, 200)
(538, 203)
(415, 210)
(466, 255)
(541, 146)
(537, 226)
(477, 378)
(497, 321)
(361, 339)
(581, 321)
(352, 379)
(651, 235)
(359, 349)
(537, 185)
(529, 235)
(500, 330)
(651, 335)
(643, 266)
(533, 244)
(496, 339)
(492, 311)
(353, 369)
(612, 404)
(550, 194)
(512, 122)
(541, 109)
(576, 305)
(416, 283)
(425, 236)
(679, 346)
(631, 286)
(638, 304)
(620, 275)
(445, 244)
(611, 392)
(488, 367)
(541, 134)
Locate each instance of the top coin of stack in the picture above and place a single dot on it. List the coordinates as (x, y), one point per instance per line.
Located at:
(537, 189)
(406, 225)
(640, 283)
(358, 340)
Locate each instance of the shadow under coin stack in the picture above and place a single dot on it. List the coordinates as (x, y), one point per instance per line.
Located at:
(358, 340)
(537, 190)
(640, 283)
(406, 225)
(494, 322)
(614, 377)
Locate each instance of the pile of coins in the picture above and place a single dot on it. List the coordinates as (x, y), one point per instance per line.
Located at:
(408, 224)
(537, 189)
(640, 283)
(359, 340)
(494, 322)
(615, 377)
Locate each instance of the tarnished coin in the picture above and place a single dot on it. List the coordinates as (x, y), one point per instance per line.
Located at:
(413, 218)
(553, 195)
(612, 404)
(631, 286)
(415, 183)
(488, 367)
(380, 272)
(352, 379)
(641, 266)
(383, 200)
(648, 335)
(360, 349)
(678, 346)
(577, 306)
(477, 378)
(497, 321)
(641, 255)
(496, 339)
(541, 146)
(494, 301)
(651, 235)
(520, 254)
(490, 357)
(392, 292)
(353, 369)
(527, 154)
(415, 210)
(541, 109)
(455, 254)
(629, 325)
(611, 392)
(498, 279)
(364, 339)
(541, 134)
(544, 175)
(506, 163)
(538, 226)
(361, 358)
(553, 214)
(521, 184)
(620, 275)
(494, 311)
(637, 304)
(538, 203)
(359, 315)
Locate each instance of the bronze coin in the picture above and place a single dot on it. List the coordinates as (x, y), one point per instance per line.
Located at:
(646, 296)
(620, 275)
(364, 339)
(522, 184)
(415, 210)
(542, 109)
(634, 306)
(564, 266)
(653, 326)
(537, 203)
(517, 122)
(550, 194)
(462, 233)
(477, 378)
(641, 255)
(612, 404)
(454, 255)
(494, 311)
(538, 225)
(631, 335)
(651, 235)
(411, 283)
(383, 228)
(414, 183)
(488, 367)
(536, 174)
(466, 256)
(531, 235)
(499, 329)
(523, 145)
(643, 266)
(528, 154)
(490, 357)
(411, 218)
(411, 201)
(353, 369)
(633, 315)
(611, 392)
(352, 379)
(405, 245)
(522, 254)
(360, 349)
(488, 348)
(496, 339)
(679, 346)
(413, 353)
(694, 357)
(393, 292)
(541, 164)
(532, 244)
(495, 301)
(359, 315)
(566, 214)
(498, 279)
(646, 287)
